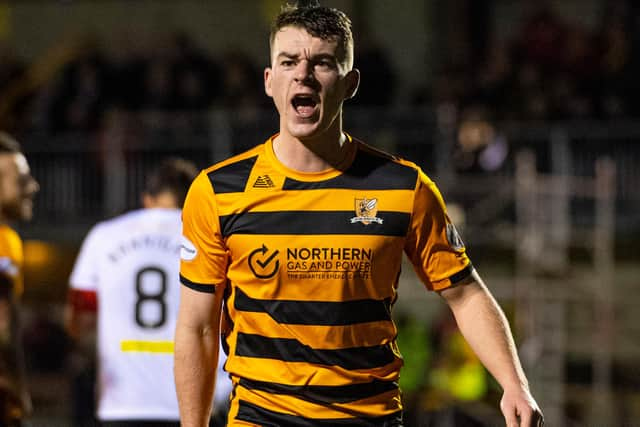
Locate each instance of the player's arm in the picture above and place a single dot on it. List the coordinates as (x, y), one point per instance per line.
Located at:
(81, 313)
(5, 310)
(196, 354)
(13, 394)
(82, 300)
(486, 329)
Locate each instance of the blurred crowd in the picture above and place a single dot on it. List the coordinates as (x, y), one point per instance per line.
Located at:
(75, 86)
(550, 69)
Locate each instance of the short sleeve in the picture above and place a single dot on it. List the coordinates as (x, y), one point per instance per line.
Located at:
(85, 274)
(203, 256)
(11, 260)
(434, 246)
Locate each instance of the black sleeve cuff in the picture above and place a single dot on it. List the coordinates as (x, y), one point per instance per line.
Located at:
(210, 289)
(462, 274)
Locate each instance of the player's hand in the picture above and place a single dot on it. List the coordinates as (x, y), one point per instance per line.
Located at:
(520, 409)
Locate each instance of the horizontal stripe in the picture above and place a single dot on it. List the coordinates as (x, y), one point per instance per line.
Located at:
(292, 350)
(321, 313)
(319, 200)
(324, 394)
(462, 274)
(146, 346)
(313, 223)
(200, 287)
(263, 417)
(368, 172)
(326, 337)
(232, 178)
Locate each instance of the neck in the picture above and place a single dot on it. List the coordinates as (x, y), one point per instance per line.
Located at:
(312, 155)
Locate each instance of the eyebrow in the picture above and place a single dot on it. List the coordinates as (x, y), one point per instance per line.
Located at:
(313, 57)
(287, 55)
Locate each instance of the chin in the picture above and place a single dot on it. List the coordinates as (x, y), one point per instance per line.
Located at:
(26, 214)
(299, 133)
(306, 130)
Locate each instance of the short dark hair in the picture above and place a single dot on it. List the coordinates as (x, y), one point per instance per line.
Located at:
(173, 174)
(319, 21)
(8, 144)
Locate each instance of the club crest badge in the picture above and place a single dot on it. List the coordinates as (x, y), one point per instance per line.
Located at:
(366, 210)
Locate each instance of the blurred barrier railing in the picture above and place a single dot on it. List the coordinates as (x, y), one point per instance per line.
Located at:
(86, 177)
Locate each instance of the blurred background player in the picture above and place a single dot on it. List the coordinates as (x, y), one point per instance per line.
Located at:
(17, 189)
(127, 270)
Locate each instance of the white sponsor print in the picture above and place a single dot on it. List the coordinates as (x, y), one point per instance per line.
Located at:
(188, 250)
(454, 238)
(7, 266)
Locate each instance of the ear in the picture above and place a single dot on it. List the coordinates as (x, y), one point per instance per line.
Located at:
(353, 81)
(267, 81)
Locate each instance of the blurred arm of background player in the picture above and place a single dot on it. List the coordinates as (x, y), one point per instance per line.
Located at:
(9, 398)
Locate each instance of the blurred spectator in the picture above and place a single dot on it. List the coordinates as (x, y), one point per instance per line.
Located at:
(378, 80)
(479, 148)
(197, 75)
(126, 70)
(494, 78)
(618, 65)
(541, 39)
(10, 65)
(157, 86)
(11, 69)
(81, 96)
(242, 88)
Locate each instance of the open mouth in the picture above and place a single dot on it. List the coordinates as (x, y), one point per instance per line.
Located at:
(305, 105)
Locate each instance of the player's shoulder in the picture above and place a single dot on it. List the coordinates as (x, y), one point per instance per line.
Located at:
(10, 242)
(377, 153)
(137, 222)
(230, 162)
(230, 175)
(135, 219)
(8, 234)
(374, 162)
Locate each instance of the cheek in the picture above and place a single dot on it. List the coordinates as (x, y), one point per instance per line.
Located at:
(278, 92)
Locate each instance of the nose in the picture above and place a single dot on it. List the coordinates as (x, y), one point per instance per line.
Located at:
(33, 187)
(303, 71)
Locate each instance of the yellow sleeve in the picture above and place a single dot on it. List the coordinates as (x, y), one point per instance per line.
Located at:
(12, 259)
(433, 246)
(204, 255)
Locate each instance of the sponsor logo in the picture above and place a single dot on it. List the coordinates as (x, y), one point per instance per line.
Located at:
(366, 210)
(264, 263)
(188, 250)
(307, 263)
(263, 181)
(455, 241)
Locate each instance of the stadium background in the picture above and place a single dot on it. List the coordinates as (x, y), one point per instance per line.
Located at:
(524, 112)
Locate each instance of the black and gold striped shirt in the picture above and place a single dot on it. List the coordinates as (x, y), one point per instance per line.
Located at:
(310, 265)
